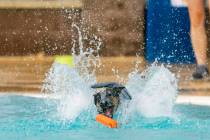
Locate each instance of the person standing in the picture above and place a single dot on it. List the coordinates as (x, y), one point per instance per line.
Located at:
(196, 10)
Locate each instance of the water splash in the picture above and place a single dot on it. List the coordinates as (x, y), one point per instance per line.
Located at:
(73, 91)
(154, 91)
(72, 85)
(87, 59)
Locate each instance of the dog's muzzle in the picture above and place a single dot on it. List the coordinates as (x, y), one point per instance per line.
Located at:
(104, 105)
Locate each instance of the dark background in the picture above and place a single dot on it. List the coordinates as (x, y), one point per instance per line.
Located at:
(119, 23)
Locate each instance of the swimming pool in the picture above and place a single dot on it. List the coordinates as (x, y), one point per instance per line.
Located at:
(31, 118)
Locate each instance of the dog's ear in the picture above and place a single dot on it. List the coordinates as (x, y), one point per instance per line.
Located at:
(126, 94)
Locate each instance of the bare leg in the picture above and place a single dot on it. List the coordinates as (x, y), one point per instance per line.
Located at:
(198, 35)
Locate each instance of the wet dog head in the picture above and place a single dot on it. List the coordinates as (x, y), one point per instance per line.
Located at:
(106, 102)
(107, 99)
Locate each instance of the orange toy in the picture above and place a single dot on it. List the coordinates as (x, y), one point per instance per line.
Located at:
(106, 121)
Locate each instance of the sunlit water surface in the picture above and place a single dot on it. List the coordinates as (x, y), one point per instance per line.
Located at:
(27, 118)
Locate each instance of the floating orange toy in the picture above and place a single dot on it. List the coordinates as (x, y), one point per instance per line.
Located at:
(106, 121)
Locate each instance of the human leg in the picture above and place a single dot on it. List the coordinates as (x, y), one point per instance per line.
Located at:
(198, 36)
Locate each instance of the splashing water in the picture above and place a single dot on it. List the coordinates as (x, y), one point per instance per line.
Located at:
(88, 59)
(74, 92)
(72, 85)
(154, 91)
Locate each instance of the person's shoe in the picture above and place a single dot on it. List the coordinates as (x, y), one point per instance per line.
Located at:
(200, 72)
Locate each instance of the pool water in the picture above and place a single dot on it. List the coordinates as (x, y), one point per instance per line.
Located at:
(24, 118)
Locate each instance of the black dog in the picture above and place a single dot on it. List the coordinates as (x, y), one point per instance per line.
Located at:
(108, 98)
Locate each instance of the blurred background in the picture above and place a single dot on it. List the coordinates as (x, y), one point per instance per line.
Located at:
(44, 26)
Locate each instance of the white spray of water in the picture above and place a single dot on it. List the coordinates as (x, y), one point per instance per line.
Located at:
(74, 92)
(72, 85)
(154, 91)
(88, 59)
